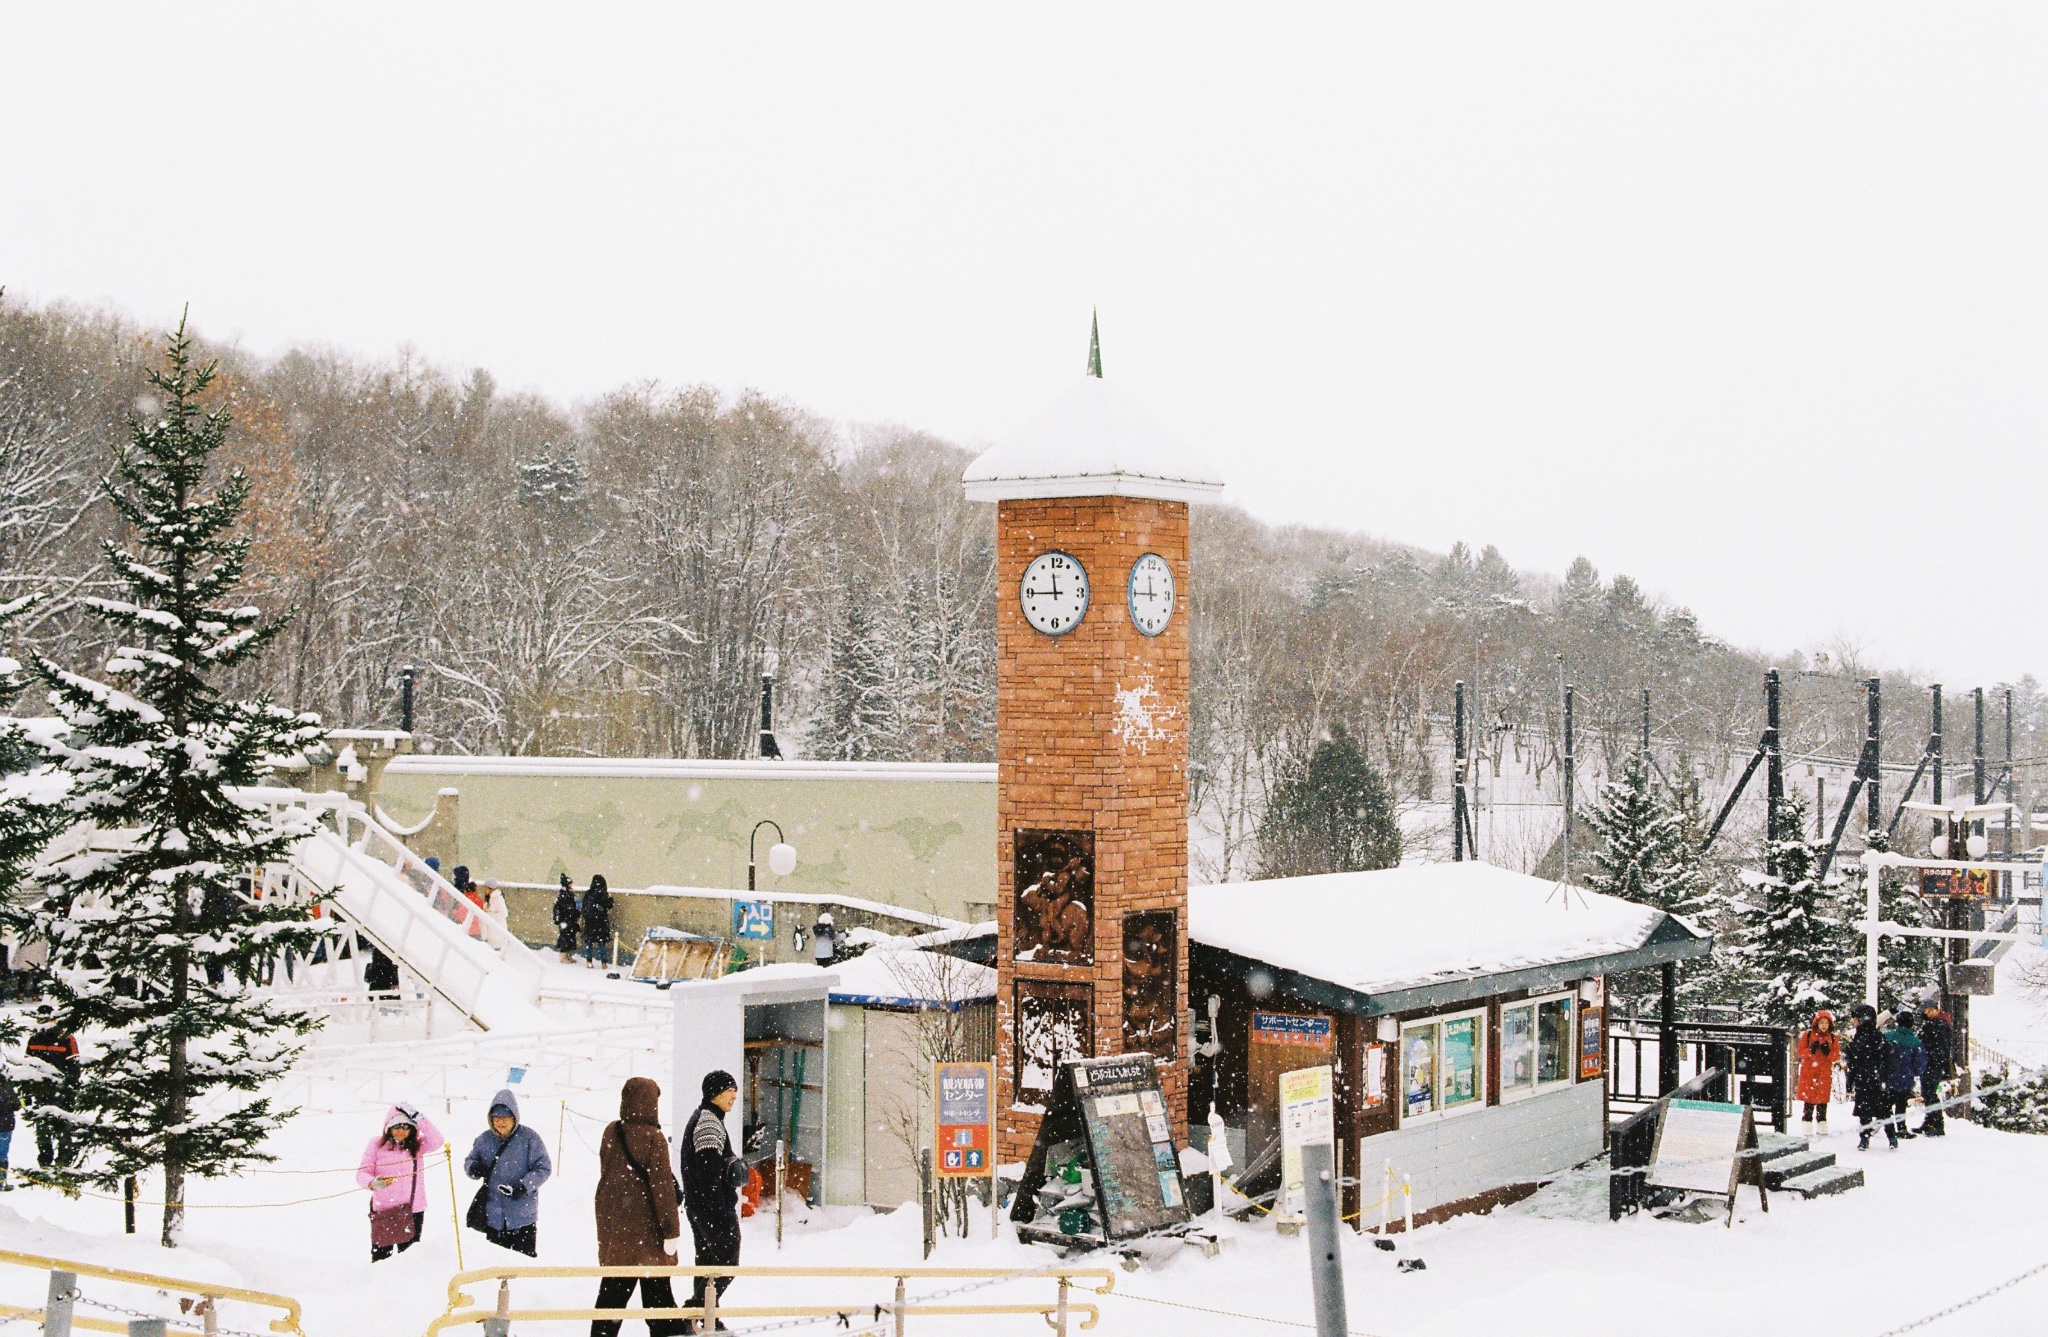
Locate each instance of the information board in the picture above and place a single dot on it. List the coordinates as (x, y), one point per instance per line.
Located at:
(1700, 1146)
(1113, 1113)
(963, 1120)
(1589, 1043)
(1307, 1118)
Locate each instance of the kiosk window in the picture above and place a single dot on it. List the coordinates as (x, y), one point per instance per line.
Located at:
(1443, 1065)
(1535, 1045)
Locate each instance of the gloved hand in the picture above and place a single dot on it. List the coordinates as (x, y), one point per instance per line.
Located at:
(669, 1247)
(509, 1190)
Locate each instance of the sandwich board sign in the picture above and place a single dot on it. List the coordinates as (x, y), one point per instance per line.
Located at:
(1307, 1119)
(1108, 1117)
(1700, 1146)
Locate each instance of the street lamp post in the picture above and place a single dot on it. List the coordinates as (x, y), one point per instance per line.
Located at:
(781, 855)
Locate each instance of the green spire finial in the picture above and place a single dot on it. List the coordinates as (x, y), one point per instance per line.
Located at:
(1094, 346)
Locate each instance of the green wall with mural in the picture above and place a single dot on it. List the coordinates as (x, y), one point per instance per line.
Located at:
(920, 837)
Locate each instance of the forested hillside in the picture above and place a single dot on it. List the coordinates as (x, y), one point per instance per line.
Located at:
(612, 578)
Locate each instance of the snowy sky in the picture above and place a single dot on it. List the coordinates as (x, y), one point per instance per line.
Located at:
(1743, 300)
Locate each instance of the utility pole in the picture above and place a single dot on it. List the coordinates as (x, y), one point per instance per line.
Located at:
(1646, 731)
(1458, 769)
(1977, 776)
(2008, 771)
(1820, 807)
(1875, 728)
(1570, 770)
(1934, 741)
(1774, 774)
(406, 676)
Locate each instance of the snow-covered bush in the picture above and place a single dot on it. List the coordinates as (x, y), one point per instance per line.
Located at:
(2015, 1106)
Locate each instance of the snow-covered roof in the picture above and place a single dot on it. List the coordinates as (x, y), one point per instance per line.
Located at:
(1402, 930)
(663, 768)
(895, 977)
(1092, 441)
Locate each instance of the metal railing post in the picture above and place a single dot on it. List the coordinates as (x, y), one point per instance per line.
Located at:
(146, 1327)
(902, 1298)
(709, 1323)
(500, 1323)
(209, 1315)
(1060, 1319)
(57, 1308)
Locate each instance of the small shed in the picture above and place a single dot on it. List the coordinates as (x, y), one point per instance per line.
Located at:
(1461, 1005)
(837, 1061)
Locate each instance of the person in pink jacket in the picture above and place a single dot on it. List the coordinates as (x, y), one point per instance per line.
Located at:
(392, 1170)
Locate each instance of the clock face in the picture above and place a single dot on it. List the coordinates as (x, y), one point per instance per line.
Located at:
(1054, 593)
(1150, 594)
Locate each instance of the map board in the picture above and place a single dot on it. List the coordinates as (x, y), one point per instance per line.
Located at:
(1113, 1110)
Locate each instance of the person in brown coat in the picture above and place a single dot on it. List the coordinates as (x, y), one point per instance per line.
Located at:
(637, 1220)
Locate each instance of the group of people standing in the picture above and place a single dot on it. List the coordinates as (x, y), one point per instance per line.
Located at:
(1884, 1060)
(641, 1200)
(589, 915)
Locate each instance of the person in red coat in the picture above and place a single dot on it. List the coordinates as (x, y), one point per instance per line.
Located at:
(1819, 1049)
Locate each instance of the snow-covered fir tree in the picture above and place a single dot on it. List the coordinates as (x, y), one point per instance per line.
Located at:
(31, 789)
(1793, 952)
(1332, 812)
(156, 950)
(1649, 852)
(2016, 1105)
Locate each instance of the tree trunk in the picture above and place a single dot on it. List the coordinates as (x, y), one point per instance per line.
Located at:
(174, 1150)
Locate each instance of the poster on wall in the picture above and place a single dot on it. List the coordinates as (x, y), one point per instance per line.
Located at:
(1055, 1023)
(1589, 1042)
(753, 919)
(1054, 881)
(1307, 1119)
(1418, 1071)
(1375, 1075)
(1151, 951)
(1462, 1084)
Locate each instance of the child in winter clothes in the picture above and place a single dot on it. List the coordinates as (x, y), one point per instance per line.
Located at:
(1906, 1061)
(1864, 1063)
(1819, 1050)
(392, 1172)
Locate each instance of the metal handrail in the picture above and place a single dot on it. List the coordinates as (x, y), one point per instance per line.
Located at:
(207, 1291)
(461, 1307)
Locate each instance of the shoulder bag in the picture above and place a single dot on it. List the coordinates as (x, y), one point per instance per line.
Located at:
(475, 1218)
(396, 1225)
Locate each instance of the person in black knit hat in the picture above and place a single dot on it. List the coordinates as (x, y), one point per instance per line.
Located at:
(712, 1176)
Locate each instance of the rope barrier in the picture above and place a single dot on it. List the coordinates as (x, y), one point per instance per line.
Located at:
(1229, 1313)
(1965, 1304)
(59, 1185)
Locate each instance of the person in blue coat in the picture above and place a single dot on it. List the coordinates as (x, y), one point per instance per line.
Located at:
(513, 1163)
(1906, 1060)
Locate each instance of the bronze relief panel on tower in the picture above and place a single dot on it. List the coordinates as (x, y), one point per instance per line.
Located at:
(1054, 883)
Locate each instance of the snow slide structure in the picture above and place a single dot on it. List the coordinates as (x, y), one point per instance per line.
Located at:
(383, 891)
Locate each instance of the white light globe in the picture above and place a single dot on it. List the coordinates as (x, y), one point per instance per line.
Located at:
(1938, 847)
(1978, 846)
(781, 859)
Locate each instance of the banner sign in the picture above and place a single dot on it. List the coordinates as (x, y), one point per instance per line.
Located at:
(1589, 1042)
(753, 919)
(1276, 1028)
(963, 1121)
(1963, 884)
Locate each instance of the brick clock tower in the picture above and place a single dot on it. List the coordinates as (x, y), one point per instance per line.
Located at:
(1091, 744)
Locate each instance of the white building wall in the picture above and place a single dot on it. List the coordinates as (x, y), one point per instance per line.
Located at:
(1469, 1154)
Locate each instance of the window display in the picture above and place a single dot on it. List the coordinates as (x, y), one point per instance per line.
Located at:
(1554, 1040)
(1535, 1045)
(1443, 1065)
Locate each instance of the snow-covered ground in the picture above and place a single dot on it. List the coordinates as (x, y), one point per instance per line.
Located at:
(1938, 1222)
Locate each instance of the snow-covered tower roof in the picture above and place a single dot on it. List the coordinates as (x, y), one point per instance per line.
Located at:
(1092, 441)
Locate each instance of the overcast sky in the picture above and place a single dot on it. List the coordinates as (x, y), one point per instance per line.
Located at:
(1743, 300)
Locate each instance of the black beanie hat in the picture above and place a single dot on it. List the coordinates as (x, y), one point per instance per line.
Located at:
(717, 1082)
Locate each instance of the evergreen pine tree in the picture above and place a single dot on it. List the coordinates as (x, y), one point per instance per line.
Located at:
(859, 710)
(1332, 813)
(1793, 951)
(155, 949)
(31, 789)
(1636, 830)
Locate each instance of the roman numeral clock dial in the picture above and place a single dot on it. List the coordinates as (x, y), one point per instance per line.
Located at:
(1054, 593)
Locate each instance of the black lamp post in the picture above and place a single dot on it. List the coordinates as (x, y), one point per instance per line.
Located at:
(781, 855)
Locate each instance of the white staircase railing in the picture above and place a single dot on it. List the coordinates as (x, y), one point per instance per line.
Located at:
(412, 914)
